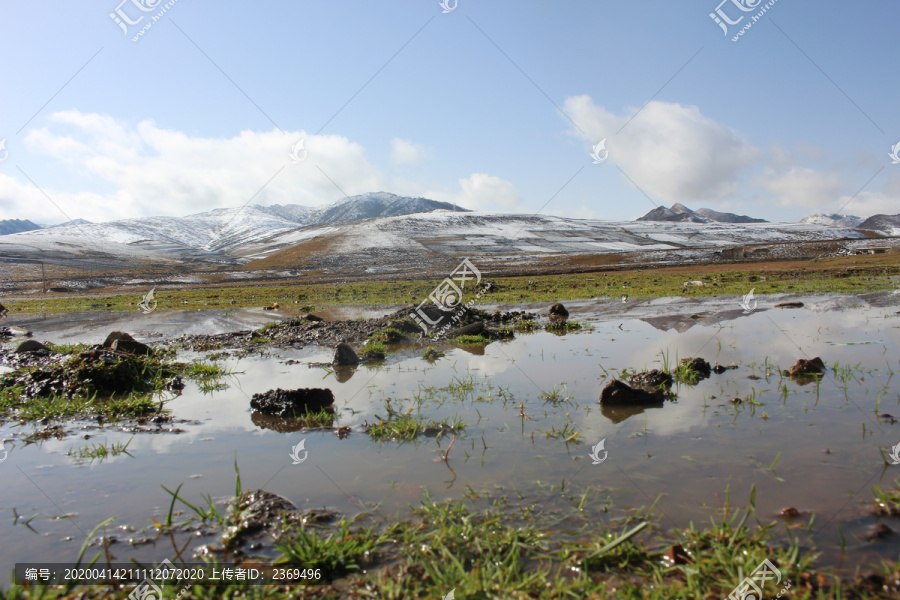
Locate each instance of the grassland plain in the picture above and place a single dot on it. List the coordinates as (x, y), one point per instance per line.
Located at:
(849, 274)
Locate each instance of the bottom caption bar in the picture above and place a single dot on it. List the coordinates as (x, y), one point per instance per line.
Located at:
(169, 574)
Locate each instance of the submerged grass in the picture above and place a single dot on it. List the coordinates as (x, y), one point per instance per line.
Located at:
(431, 354)
(405, 427)
(100, 451)
(499, 551)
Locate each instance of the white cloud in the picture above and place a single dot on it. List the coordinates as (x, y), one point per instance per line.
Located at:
(480, 189)
(804, 187)
(673, 152)
(157, 171)
(148, 170)
(884, 202)
(407, 152)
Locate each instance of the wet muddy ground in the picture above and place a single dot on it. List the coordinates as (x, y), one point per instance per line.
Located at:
(531, 419)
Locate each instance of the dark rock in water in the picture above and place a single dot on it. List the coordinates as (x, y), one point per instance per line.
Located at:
(650, 380)
(790, 513)
(131, 347)
(558, 310)
(256, 511)
(617, 392)
(697, 366)
(3, 311)
(473, 329)
(344, 355)
(175, 384)
(879, 532)
(292, 403)
(789, 305)
(312, 318)
(31, 346)
(117, 335)
(719, 369)
(807, 371)
(807, 367)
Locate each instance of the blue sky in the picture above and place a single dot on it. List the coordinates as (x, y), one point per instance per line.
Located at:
(494, 105)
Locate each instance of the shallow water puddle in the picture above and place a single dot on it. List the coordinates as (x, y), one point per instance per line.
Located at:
(815, 447)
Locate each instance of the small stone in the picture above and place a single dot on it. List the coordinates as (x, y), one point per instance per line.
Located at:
(789, 305)
(879, 532)
(130, 347)
(618, 393)
(293, 403)
(650, 380)
(117, 335)
(31, 346)
(697, 366)
(473, 329)
(558, 310)
(344, 355)
(676, 555)
(807, 367)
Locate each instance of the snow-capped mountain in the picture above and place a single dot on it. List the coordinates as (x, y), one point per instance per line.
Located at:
(889, 224)
(226, 229)
(356, 236)
(11, 226)
(378, 204)
(834, 220)
(681, 213)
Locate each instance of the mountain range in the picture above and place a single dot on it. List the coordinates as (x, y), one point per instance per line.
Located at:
(680, 213)
(223, 229)
(382, 233)
(834, 220)
(11, 226)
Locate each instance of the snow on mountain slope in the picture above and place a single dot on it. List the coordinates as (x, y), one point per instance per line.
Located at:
(887, 224)
(226, 229)
(385, 229)
(484, 234)
(834, 220)
(378, 204)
